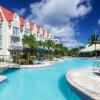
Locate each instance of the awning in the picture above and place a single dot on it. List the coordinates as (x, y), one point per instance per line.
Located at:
(91, 48)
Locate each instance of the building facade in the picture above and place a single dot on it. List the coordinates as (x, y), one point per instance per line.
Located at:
(12, 29)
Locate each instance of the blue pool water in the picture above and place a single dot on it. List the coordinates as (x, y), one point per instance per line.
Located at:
(41, 83)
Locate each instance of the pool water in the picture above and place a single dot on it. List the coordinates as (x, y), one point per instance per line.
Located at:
(41, 83)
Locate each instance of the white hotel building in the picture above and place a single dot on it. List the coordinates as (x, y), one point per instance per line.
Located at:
(12, 29)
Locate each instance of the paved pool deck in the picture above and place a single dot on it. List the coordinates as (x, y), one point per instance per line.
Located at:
(2, 78)
(85, 81)
(46, 64)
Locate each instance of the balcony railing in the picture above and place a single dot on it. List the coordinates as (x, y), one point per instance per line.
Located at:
(15, 35)
(16, 46)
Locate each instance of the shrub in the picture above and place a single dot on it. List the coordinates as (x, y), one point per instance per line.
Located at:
(31, 58)
(22, 61)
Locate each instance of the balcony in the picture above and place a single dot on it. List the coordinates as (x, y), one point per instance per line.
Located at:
(15, 47)
(16, 37)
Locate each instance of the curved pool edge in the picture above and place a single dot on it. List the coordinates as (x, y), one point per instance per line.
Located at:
(76, 83)
(2, 78)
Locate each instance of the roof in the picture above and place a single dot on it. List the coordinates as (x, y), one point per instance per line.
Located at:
(31, 26)
(1, 17)
(48, 33)
(44, 31)
(91, 48)
(22, 21)
(8, 14)
(38, 29)
(9, 17)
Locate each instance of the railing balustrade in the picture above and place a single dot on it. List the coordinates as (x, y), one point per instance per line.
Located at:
(96, 63)
(7, 61)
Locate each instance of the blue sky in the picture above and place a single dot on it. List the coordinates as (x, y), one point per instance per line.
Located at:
(72, 21)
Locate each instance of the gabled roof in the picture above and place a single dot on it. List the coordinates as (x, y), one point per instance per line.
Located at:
(1, 17)
(8, 14)
(31, 26)
(44, 31)
(9, 17)
(38, 29)
(22, 21)
(48, 33)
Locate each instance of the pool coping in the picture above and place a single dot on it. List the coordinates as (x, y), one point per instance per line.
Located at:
(85, 91)
(2, 78)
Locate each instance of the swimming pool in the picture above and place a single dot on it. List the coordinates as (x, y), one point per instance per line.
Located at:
(41, 83)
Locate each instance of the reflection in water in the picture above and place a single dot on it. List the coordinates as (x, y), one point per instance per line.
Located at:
(3, 85)
(65, 89)
(79, 93)
(7, 71)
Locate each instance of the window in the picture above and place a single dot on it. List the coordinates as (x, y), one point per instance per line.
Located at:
(15, 31)
(14, 41)
(26, 31)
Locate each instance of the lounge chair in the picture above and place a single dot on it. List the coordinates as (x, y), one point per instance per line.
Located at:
(36, 62)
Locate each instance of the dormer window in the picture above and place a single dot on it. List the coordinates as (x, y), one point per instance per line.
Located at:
(27, 24)
(15, 31)
(16, 17)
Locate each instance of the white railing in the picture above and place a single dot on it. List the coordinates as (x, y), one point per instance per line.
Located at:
(16, 35)
(96, 63)
(7, 61)
(15, 44)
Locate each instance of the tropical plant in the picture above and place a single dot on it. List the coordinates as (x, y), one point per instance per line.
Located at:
(22, 61)
(30, 45)
(50, 44)
(29, 42)
(94, 39)
(74, 52)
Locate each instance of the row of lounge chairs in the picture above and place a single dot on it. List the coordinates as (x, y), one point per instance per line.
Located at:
(39, 61)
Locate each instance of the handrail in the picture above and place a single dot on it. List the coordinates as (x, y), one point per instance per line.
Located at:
(96, 64)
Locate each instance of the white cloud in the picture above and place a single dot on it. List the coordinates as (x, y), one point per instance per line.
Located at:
(72, 43)
(99, 22)
(21, 12)
(55, 12)
(67, 36)
(60, 17)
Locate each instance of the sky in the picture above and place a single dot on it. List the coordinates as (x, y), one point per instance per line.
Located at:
(71, 21)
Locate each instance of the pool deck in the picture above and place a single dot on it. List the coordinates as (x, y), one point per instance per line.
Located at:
(36, 65)
(85, 81)
(2, 78)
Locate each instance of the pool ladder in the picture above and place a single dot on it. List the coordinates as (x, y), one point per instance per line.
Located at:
(96, 64)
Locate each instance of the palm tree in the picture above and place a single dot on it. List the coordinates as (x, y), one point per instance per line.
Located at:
(40, 44)
(50, 44)
(29, 42)
(94, 39)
